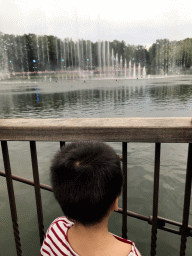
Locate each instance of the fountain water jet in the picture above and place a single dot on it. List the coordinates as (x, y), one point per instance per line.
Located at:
(71, 59)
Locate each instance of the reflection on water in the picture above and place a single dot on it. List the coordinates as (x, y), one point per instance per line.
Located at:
(122, 98)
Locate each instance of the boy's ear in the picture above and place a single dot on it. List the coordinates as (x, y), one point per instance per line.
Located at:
(116, 204)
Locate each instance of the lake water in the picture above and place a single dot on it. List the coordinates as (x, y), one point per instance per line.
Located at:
(155, 97)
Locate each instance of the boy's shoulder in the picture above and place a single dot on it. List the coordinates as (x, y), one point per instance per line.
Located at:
(134, 251)
(64, 220)
(56, 241)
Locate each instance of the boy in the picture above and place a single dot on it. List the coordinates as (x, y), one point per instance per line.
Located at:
(87, 180)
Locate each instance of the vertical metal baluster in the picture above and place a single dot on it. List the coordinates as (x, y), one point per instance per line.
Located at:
(155, 198)
(37, 190)
(124, 224)
(11, 196)
(62, 143)
(186, 202)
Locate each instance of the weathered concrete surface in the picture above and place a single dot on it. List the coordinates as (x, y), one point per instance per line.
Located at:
(164, 129)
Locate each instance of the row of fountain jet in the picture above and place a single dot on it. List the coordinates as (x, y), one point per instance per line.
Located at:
(78, 54)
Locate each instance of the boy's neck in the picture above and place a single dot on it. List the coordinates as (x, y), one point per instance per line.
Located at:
(96, 231)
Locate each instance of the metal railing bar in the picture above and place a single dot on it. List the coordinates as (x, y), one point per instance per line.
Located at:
(172, 222)
(160, 220)
(155, 199)
(170, 230)
(120, 210)
(27, 181)
(62, 143)
(37, 190)
(124, 221)
(186, 202)
(11, 195)
(134, 215)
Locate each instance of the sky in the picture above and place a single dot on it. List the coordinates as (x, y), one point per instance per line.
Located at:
(137, 22)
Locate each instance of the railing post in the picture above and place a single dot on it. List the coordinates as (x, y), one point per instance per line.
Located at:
(124, 222)
(37, 190)
(155, 198)
(11, 196)
(186, 202)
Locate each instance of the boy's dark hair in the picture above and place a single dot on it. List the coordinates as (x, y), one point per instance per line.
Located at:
(86, 178)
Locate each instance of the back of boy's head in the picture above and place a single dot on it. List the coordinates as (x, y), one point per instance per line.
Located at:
(86, 178)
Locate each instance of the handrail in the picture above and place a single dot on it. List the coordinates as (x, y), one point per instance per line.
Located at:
(152, 130)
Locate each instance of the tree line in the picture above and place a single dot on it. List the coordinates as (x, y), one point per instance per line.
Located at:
(30, 52)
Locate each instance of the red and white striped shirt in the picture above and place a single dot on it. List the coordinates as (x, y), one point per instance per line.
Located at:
(56, 242)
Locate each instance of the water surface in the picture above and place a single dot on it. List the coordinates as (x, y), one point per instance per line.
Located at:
(165, 97)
